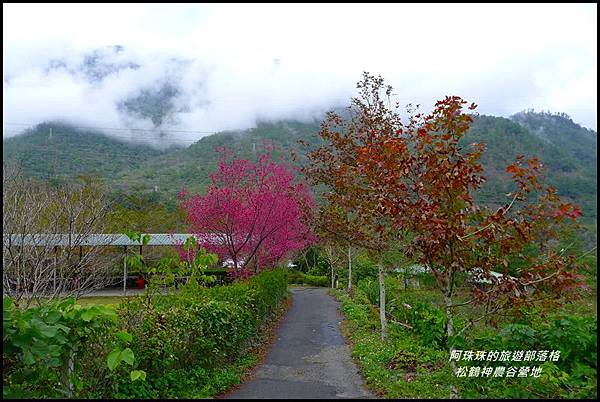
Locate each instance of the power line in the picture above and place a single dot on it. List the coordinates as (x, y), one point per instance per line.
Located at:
(155, 130)
(131, 138)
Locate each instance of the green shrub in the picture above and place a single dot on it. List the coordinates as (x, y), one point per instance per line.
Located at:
(201, 329)
(383, 363)
(362, 268)
(370, 288)
(187, 343)
(427, 320)
(39, 342)
(300, 278)
(572, 376)
(399, 367)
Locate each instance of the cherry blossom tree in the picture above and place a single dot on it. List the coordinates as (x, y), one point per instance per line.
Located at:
(254, 213)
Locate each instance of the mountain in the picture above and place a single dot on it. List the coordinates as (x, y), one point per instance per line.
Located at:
(570, 168)
(190, 167)
(568, 151)
(558, 129)
(59, 151)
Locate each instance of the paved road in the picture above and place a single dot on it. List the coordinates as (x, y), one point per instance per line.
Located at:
(310, 358)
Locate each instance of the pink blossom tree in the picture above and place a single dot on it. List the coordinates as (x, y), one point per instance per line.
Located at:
(254, 214)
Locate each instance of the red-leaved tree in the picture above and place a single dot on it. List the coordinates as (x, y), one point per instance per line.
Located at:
(415, 175)
(254, 214)
(355, 161)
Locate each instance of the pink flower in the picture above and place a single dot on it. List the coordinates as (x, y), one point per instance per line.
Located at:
(253, 213)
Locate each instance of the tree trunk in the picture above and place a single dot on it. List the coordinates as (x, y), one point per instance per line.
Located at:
(235, 264)
(306, 261)
(67, 371)
(332, 285)
(450, 333)
(125, 273)
(382, 317)
(349, 270)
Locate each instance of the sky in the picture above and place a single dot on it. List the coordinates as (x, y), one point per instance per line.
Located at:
(236, 64)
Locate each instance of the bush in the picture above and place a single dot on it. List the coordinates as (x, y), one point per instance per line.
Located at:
(201, 329)
(38, 344)
(185, 342)
(421, 352)
(400, 367)
(370, 288)
(300, 278)
(572, 376)
(362, 268)
(427, 320)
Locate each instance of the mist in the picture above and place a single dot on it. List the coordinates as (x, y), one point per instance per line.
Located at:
(173, 74)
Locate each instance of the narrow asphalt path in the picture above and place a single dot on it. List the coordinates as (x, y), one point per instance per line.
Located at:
(310, 358)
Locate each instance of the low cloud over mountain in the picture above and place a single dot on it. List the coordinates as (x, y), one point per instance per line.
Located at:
(154, 98)
(175, 74)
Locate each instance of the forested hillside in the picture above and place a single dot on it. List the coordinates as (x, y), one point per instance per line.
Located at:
(57, 151)
(568, 151)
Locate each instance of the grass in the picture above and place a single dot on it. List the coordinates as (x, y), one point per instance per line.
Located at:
(106, 300)
(406, 365)
(112, 301)
(400, 367)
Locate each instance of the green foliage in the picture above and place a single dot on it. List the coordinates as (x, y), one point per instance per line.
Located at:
(199, 329)
(572, 376)
(196, 266)
(312, 262)
(300, 278)
(167, 346)
(413, 362)
(363, 267)
(370, 288)
(426, 320)
(44, 347)
(142, 211)
(141, 238)
(117, 356)
(402, 366)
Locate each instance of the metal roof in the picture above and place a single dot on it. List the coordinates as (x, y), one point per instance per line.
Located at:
(108, 239)
(418, 269)
(413, 269)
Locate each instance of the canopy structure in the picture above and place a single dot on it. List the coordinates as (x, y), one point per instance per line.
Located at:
(97, 240)
(418, 269)
(108, 239)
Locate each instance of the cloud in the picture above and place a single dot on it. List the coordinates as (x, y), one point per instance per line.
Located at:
(223, 67)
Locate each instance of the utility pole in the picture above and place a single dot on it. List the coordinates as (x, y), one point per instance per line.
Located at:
(49, 139)
(349, 268)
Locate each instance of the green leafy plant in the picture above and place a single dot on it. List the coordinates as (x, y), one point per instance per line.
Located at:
(44, 341)
(196, 261)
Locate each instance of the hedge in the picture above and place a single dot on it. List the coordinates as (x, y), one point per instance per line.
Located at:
(300, 278)
(181, 341)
